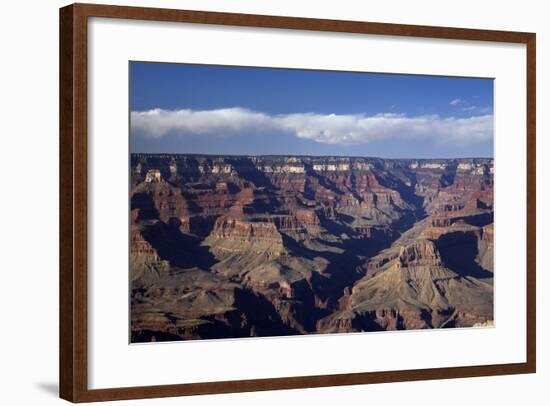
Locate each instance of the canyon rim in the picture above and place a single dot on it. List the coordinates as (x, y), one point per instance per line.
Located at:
(257, 213)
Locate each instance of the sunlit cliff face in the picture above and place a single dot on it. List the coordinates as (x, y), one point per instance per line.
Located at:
(240, 246)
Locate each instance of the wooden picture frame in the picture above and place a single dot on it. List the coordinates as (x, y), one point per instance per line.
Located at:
(74, 201)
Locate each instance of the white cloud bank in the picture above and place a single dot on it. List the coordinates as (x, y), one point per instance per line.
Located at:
(344, 129)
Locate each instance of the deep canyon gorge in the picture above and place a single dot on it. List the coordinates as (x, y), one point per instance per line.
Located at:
(244, 246)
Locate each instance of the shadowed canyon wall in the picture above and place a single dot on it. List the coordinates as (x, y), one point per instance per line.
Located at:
(240, 246)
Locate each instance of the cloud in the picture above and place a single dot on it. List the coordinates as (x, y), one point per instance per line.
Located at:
(341, 129)
(468, 107)
(479, 109)
(158, 123)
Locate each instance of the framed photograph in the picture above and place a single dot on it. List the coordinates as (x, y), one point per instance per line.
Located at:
(255, 202)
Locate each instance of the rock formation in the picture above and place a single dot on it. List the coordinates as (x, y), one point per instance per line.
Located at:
(241, 246)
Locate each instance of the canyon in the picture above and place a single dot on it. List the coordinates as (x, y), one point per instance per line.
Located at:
(251, 246)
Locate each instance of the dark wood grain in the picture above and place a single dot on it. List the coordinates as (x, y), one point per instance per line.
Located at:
(80, 190)
(73, 201)
(299, 23)
(66, 130)
(531, 203)
(204, 388)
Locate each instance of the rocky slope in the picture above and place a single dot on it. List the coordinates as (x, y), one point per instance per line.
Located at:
(242, 246)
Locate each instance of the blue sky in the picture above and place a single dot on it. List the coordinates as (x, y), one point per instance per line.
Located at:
(240, 110)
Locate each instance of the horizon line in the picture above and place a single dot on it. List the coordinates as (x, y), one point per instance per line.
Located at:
(303, 156)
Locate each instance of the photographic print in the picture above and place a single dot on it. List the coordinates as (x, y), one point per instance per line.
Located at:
(273, 202)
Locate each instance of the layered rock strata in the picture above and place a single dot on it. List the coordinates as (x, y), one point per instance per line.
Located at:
(241, 246)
